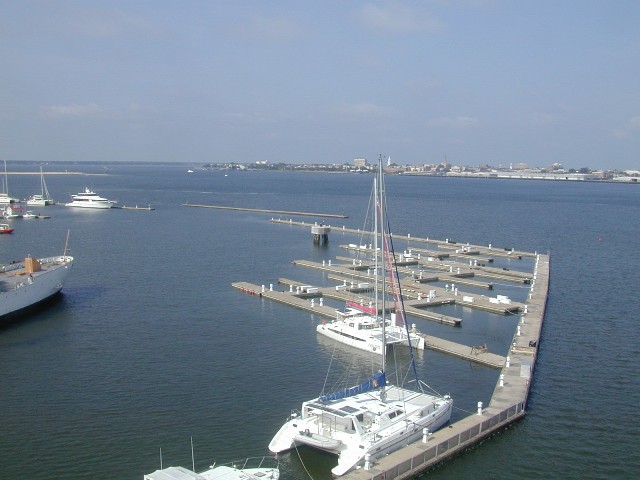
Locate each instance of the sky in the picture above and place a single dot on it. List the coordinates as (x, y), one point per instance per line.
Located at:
(297, 81)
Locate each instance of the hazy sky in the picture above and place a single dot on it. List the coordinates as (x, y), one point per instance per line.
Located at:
(326, 81)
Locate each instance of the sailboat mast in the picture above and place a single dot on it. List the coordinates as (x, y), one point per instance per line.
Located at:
(379, 230)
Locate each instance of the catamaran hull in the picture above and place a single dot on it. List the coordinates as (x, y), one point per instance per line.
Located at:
(26, 294)
(372, 345)
(368, 345)
(295, 433)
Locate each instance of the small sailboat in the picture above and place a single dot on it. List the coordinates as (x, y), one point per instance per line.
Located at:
(368, 420)
(5, 198)
(41, 199)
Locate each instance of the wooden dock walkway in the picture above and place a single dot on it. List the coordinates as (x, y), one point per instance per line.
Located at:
(302, 301)
(414, 289)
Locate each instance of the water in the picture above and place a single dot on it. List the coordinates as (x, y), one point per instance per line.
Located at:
(150, 345)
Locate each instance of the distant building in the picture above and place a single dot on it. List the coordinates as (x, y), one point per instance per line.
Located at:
(360, 162)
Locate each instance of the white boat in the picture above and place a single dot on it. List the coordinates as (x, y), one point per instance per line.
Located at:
(29, 214)
(89, 199)
(25, 284)
(366, 421)
(41, 199)
(265, 468)
(5, 198)
(359, 327)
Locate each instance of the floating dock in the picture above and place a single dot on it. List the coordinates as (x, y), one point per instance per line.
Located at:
(136, 207)
(260, 210)
(508, 402)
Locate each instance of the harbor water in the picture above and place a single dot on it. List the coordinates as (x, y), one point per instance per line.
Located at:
(150, 348)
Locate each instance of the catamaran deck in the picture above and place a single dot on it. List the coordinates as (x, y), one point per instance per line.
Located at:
(509, 399)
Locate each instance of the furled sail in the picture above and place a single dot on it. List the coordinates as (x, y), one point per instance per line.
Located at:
(362, 308)
(377, 381)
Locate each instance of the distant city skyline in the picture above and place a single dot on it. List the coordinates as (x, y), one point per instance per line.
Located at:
(475, 81)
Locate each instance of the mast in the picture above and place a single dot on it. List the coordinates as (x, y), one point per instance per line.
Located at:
(379, 230)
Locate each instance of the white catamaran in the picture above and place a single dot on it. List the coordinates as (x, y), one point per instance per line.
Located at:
(369, 420)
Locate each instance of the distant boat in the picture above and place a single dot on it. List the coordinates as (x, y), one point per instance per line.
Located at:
(25, 284)
(265, 468)
(359, 327)
(89, 199)
(189, 171)
(42, 199)
(5, 228)
(5, 198)
(29, 215)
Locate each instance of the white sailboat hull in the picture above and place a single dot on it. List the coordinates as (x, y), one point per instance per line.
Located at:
(325, 426)
(368, 340)
(19, 291)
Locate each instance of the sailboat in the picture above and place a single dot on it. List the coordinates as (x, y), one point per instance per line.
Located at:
(42, 199)
(369, 420)
(5, 198)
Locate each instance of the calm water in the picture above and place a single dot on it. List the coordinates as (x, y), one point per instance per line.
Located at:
(150, 345)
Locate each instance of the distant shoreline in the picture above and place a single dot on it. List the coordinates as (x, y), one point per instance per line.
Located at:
(60, 173)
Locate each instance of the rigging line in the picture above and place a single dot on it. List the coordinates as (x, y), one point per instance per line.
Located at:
(303, 465)
(463, 410)
(397, 294)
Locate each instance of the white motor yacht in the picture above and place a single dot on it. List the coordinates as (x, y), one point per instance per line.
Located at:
(89, 199)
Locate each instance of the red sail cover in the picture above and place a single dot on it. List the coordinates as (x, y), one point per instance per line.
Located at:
(362, 308)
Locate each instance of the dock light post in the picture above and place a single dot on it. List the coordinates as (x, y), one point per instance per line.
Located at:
(502, 379)
(313, 303)
(425, 435)
(479, 408)
(367, 461)
(262, 289)
(290, 288)
(508, 364)
(321, 302)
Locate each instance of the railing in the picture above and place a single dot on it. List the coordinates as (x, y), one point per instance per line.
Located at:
(251, 462)
(440, 451)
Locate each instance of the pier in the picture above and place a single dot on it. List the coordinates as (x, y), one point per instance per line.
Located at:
(261, 210)
(516, 365)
